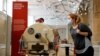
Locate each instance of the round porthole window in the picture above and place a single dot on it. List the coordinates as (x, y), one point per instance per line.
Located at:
(31, 31)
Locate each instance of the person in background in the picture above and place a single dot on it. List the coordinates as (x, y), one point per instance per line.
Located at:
(40, 20)
(56, 41)
(81, 35)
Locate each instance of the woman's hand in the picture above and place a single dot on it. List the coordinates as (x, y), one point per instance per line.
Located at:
(82, 33)
(78, 31)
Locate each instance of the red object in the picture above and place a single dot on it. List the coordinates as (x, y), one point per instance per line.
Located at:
(19, 24)
(74, 52)
(40, 20)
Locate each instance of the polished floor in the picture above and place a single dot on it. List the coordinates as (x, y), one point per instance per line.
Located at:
(61, 51)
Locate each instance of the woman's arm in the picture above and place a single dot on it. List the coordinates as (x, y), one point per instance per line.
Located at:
(82, 33)
(86, 30)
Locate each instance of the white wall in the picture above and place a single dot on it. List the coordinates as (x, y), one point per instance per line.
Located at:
(1, 4)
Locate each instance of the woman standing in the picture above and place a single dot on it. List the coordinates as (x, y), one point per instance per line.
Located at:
(81, 35)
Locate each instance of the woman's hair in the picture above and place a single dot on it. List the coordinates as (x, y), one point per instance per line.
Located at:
(76, 17)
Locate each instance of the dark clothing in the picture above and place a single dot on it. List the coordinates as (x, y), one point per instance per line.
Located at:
(82, 43)
(89, 52)
(79, 40)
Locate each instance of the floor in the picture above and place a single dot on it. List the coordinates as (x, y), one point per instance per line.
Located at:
(60, 53)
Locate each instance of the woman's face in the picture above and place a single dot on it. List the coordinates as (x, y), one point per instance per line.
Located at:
(72, 20)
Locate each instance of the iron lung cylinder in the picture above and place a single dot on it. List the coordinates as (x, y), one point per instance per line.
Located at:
(37, 33)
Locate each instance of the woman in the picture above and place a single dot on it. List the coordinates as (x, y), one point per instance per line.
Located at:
(81, 35)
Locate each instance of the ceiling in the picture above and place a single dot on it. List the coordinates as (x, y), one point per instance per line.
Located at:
(55, 7)
(54, 11)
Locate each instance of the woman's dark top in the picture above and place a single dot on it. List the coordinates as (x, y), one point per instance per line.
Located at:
(81, 42)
